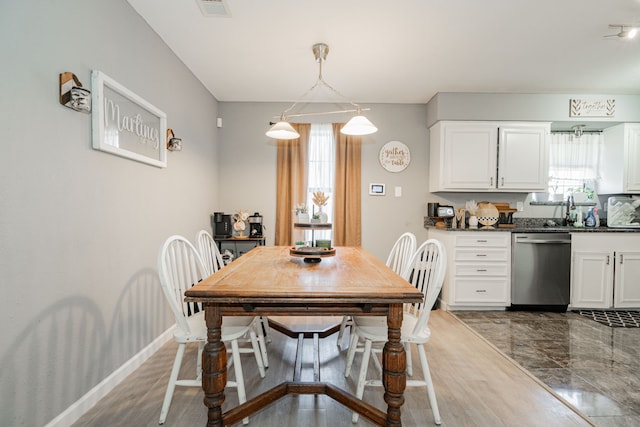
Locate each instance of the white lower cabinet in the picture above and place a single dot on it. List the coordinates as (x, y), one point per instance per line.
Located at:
(478, 269)
(604, 270)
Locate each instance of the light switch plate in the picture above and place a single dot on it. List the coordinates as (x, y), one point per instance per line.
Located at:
(398, 191)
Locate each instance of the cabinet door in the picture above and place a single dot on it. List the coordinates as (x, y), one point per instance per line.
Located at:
(523, 158)
(469, 156)
(627, 288)
(591, 279)
(632, 159)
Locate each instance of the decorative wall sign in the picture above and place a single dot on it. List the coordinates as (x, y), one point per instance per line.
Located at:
(126, 125)
(592, 107)
(394, 156)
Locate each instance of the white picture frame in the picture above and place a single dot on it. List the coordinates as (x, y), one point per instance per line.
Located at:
(376, 189)
(126, 125)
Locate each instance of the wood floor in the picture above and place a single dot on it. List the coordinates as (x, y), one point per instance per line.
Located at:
(475, 385)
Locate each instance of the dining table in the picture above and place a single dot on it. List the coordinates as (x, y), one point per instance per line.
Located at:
(269, 281)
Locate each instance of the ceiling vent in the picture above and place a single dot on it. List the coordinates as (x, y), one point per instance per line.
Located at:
(214, 7)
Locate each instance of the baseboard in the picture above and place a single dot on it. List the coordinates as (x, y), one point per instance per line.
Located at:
(86, 402)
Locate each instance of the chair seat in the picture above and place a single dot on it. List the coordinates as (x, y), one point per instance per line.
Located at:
(233, 327)
(375, 329)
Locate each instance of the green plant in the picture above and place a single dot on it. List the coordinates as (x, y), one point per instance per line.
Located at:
(584, 189)
(300, 208)
(316, 216)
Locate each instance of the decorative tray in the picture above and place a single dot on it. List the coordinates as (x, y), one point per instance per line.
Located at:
(312, 253)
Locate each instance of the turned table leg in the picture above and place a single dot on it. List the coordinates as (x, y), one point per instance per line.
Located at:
(394, 365)
(214, 366)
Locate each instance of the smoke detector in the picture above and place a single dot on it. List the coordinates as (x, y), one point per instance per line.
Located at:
(214, 8)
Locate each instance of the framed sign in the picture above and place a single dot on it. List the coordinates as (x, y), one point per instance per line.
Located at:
(592, 107)
(126, 125)
(394, 156)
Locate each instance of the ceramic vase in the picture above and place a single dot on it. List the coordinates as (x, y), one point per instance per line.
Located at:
(324, 218)
(473, 221)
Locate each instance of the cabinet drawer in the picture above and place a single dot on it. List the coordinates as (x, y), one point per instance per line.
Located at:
(480, 255)
(496, 269)
(481, 290)
(501, 240)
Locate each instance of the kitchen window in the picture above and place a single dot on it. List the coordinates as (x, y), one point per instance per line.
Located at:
(573, 162)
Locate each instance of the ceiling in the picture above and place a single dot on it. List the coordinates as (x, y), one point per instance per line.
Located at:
(402, 51)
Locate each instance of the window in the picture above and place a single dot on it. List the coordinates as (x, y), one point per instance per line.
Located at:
(573, 163)
(322, 170)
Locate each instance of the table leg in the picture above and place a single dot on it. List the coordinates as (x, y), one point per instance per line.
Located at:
(214, 366)
(394, 365)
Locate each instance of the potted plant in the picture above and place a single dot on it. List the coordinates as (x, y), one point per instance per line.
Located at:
(581, 194)
(320, 200)
(301, 213)
(315, 219)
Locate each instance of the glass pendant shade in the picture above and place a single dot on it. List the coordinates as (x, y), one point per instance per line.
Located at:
(282, 130)
(358, 125)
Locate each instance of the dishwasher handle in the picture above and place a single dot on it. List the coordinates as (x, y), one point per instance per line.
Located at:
(541, 241)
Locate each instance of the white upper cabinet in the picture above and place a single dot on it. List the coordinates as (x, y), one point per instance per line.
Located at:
(489, 156)
(620, 161)
(523, 157)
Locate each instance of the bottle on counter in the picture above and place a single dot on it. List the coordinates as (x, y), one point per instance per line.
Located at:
(590, 220)
(579, 218)
(596, 216)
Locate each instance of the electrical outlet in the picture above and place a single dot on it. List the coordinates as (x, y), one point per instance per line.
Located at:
(520, 206)
(398, 191)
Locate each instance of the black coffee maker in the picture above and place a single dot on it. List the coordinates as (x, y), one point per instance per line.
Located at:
(221, 225)
(255, 225)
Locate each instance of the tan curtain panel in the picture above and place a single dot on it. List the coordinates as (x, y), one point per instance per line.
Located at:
(347, 224)
(291, 184)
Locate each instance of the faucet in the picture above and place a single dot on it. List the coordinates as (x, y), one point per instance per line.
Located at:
(571, 206)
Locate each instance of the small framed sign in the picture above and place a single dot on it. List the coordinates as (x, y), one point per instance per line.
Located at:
(126, 125)
(592, 107)
(376, 189)
(394, 156)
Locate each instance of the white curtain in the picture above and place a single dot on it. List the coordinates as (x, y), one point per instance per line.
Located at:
(573, 161)
(321, 170)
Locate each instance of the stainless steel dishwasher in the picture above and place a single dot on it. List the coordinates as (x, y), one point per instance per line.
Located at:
(540, 271)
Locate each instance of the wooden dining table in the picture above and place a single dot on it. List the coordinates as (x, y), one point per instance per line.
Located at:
(268, 281)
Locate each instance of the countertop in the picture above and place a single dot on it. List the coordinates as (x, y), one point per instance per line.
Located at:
(543, 229)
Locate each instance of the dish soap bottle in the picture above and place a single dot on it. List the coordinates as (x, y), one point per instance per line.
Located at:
(590, 220)
(579, 218)
(596, 216)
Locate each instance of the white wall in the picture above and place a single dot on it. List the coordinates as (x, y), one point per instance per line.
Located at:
(248, 168)
(79, 228)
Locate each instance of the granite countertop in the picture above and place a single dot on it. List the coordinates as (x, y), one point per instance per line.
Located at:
(560, 229)
(534, 225)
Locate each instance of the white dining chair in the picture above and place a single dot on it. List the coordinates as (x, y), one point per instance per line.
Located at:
(397, 260)
(180, 267)
(213, 262)
(426, 271)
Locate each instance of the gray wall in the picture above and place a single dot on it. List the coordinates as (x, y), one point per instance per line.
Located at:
(80, 229)
(248, 168)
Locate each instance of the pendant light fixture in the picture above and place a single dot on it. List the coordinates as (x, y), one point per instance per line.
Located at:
(357, 125)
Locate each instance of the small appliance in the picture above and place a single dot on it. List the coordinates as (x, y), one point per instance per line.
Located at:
(445, 211)
(255, 225)
(221, 225)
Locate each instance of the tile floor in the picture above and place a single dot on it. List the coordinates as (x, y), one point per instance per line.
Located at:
(592, 366)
